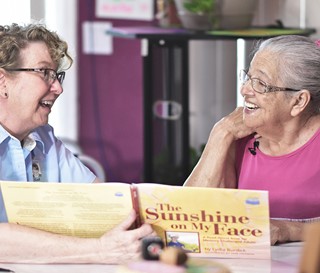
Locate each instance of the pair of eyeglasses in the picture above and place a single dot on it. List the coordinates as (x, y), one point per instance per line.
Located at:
(50, 75)
(260, 86)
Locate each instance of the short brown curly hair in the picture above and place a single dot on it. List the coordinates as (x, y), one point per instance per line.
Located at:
(15, 37)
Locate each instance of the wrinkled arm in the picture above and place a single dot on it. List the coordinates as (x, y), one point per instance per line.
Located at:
(216, 167)
(283, 231)
(20, 244)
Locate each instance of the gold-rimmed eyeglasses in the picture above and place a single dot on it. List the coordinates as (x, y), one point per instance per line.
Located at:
(260, 86)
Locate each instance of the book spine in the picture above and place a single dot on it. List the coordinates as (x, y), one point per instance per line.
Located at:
(135, 204)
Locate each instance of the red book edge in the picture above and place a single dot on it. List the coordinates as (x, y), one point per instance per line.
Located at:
(135, 205)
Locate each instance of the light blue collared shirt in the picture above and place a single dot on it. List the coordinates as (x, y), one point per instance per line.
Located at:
(55, 163)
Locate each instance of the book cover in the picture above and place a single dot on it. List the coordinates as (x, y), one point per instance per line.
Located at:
(206, 222)
(73, 209)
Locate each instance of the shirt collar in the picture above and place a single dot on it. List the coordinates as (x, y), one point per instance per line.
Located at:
(33, 139)
(29, 143)
(3, 134)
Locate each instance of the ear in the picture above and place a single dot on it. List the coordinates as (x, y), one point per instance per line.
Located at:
(3, 88)
(2, 76)
(300, 102)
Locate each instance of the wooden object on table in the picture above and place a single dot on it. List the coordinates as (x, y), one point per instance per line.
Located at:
(310, 259)
(173, 256)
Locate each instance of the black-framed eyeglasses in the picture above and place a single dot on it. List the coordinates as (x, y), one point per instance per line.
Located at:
(50, 75)
(260, 86)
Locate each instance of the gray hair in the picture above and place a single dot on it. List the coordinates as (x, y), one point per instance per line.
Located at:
(298, 63)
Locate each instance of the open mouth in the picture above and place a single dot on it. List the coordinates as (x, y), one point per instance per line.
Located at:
(46, 103)
(250, 106)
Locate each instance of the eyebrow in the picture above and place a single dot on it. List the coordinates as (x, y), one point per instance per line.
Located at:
(45, 64)
(265, 77)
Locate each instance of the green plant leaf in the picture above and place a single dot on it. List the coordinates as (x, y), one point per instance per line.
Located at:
(199, 6)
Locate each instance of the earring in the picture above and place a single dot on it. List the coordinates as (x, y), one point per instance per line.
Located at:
(4, 95)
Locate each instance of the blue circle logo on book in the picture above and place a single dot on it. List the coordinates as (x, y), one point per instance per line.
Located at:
(253, 201)
(119, 194)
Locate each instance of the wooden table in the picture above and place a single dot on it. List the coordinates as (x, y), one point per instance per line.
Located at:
(285, 258)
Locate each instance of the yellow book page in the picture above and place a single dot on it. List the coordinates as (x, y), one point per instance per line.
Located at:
(75, 209)
(209, 222)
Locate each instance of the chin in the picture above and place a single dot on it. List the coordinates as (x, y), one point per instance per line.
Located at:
(250, 122)
(43, 122)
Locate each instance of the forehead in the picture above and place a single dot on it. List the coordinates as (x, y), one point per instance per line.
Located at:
(265, 64)
(35, 54)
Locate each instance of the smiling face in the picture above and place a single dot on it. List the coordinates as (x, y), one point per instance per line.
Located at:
(267, 111)
(29, 96)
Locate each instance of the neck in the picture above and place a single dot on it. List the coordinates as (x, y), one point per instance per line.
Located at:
(288, 138)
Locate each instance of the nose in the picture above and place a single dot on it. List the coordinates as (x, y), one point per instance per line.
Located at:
(246, 89)
(56, 87)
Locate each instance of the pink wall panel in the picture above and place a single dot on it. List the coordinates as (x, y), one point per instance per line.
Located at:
(110, 102)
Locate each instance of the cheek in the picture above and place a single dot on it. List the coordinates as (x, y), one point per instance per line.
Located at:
(276, 108)
(270, 107)
(24, 104)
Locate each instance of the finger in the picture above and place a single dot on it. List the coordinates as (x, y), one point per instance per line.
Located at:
(127, 223)
(144, 231)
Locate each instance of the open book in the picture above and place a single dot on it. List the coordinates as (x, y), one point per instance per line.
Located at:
(206, 222)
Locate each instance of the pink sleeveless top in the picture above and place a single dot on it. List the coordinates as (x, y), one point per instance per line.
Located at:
(293, 180)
